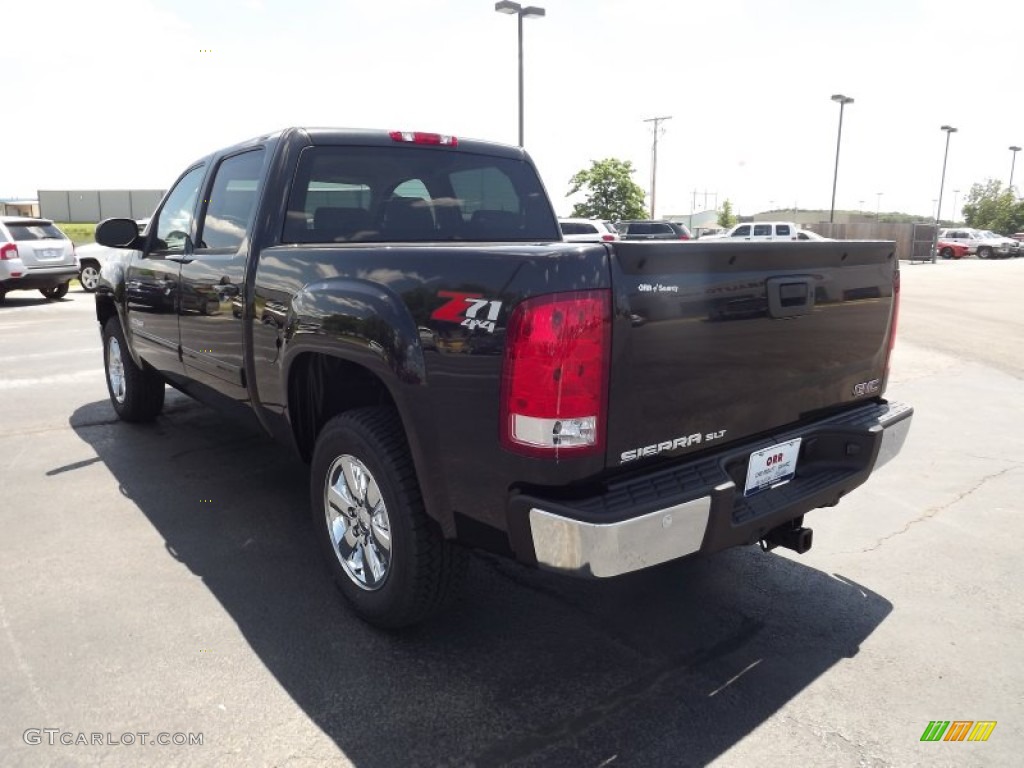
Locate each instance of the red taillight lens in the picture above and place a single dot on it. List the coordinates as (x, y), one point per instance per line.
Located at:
(608, 238)
(419, 137)
(684, 236)
(555, 380)
(9, 251)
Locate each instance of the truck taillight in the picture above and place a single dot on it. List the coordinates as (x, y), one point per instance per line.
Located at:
(555, 379)
(9, 251)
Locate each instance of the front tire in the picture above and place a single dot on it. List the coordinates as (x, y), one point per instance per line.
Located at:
(984, 253)
(387, 557)
(946, 253)
(137, 394)
(89, 277)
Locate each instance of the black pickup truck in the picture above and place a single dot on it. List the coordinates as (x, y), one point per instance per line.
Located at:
(401, 310)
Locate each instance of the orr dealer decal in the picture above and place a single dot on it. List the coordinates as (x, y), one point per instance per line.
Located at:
(470, 310)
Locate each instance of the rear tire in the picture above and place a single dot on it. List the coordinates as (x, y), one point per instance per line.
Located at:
(137, 394)
(387, 557)
(55, 292)
(985, 253)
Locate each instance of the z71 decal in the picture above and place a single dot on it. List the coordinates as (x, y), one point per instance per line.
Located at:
(471, 310)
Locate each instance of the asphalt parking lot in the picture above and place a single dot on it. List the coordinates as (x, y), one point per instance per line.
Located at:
(160, 580)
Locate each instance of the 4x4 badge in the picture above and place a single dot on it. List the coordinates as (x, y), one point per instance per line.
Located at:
(471, 310)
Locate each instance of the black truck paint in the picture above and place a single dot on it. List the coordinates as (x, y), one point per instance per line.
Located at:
(295, 314)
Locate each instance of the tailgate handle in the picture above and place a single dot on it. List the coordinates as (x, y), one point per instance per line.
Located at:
(789, 296)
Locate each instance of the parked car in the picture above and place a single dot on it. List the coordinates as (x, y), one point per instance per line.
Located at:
(761, 230)
(951, 249)
(652, 230)
(985, 244)
(94, 256)
(471, 381)
(35, 255)
(588, 231)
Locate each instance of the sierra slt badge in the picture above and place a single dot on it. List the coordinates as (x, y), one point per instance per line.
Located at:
(670, 445)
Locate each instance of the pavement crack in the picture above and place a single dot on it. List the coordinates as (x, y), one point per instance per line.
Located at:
(933, 511)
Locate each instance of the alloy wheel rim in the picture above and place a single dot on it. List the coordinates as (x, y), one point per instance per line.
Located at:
(357, 523)
(90, 277)
(115, 370)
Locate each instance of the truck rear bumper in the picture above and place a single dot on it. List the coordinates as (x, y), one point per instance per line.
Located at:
(650, 517)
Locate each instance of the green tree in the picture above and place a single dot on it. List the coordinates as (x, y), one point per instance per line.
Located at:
(610, 191)
(989, 206)
(726, 218)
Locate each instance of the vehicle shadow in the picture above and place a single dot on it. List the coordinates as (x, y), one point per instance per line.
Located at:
(670, 666)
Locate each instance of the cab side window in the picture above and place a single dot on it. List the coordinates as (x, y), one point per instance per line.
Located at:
(174, 225)
(232, 203)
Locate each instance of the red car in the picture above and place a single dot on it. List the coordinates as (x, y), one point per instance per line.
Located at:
(950, 249)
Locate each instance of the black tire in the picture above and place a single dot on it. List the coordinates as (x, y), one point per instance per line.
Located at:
(55, 292)
(422, 569)
(984, 253)
(89, 277)
(946, 253)
(137, 394)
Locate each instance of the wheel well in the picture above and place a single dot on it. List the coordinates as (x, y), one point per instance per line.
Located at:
(105, 309)
(320, 387)
(87, 260)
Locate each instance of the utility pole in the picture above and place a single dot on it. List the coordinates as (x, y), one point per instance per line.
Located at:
(654, 155)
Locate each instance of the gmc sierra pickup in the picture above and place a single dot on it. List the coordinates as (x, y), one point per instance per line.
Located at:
(400, 308)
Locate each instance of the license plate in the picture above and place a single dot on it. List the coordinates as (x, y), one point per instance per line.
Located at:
(771, 467)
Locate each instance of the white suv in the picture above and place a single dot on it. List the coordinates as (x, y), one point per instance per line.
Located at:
(94, 256)
(35, 254)
(760, 230)
(587, 231)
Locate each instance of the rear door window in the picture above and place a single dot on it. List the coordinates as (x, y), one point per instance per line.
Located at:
(782, 230)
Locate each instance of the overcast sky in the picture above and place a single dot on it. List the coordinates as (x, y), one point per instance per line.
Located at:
(116, 94)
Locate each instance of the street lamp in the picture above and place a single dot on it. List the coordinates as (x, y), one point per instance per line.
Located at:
(938, 208)
(1013, 162)
(530, 11)
(843, 101)
(956, 194)
(878, 207)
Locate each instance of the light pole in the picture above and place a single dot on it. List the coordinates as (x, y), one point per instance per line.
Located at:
(843, 101)
(956, 193)
(654, 156)
(1013, 162)
(878, 207)
(938, 208)
(530, 11)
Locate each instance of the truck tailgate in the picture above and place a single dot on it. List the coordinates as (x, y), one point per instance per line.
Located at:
(715, 342)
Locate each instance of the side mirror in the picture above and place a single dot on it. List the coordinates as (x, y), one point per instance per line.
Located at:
(117, 233)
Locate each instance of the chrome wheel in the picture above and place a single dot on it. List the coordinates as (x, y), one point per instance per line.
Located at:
(115, 370)
(89, 277)
(357, 522)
